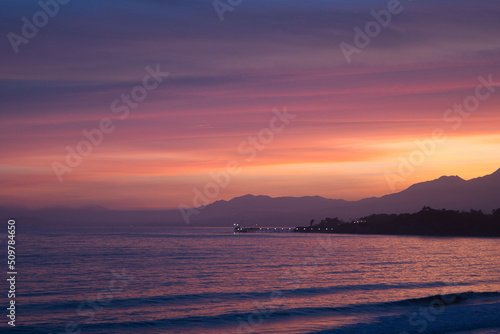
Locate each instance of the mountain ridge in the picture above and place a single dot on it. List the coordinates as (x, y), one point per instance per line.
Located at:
(446, 192)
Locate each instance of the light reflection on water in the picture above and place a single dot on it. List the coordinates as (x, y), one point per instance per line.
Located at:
(212, 276)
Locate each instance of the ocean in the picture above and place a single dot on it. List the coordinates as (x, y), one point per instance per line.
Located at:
(209, 280)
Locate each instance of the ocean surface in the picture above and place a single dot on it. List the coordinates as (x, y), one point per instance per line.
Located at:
(209, 280)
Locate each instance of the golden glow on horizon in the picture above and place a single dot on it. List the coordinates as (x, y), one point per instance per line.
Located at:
(355, 122)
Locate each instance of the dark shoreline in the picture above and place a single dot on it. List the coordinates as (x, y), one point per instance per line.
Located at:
(427, 222)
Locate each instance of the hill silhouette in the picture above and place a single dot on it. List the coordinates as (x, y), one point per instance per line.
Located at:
(427, 221)
(446, 192)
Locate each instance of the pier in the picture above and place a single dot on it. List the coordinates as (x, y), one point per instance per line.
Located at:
(239, 229)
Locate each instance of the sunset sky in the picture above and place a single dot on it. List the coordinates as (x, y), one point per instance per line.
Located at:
(354, 122)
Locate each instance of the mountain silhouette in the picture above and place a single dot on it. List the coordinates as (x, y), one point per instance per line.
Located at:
(446, 192)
